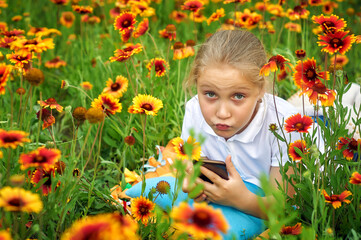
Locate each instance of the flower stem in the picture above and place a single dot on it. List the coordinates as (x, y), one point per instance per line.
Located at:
(85, 141)
(91, 150)
(334, 73)
(274, 100)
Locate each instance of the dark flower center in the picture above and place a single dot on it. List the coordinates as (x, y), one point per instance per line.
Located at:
(51, 101)
(10, 139)
(353, 145)
(55, 60)
(115, 86)
(68, 17)
(298, 9)
(31, 41)
(40, 159)
(159, 68)
(334, 198)
(319, 88)
(287, 230)
(201, 218)
(328, 24)
(147, 106)
(143, 209)
(125, 23)
(336, 42)
(311, 74)
(17, 202)
(299, 126)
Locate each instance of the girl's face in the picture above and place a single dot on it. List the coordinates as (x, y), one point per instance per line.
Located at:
(227, 99)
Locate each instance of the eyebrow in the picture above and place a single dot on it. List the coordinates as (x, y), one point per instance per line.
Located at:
(235, 88)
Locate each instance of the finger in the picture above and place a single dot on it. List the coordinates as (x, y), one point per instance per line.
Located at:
(211, 175)
(232, 171)
(189, 167)
(200, 198)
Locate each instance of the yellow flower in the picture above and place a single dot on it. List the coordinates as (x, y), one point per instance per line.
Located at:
(20, 200)
(179, 148)
(142, 209)
(145, 104)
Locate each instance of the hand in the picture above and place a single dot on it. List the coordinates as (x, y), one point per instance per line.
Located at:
(232, 192)
(186, 186)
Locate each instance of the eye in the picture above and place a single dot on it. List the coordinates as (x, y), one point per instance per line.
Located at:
(238, 96)
(210, 94)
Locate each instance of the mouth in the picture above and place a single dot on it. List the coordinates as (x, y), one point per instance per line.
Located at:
(222, 127)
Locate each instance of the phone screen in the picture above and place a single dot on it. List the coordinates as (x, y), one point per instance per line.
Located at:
(218, 167)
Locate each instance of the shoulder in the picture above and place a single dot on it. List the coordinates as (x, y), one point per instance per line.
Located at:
(192, 105)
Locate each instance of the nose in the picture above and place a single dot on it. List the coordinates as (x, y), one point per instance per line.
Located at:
(223, 111)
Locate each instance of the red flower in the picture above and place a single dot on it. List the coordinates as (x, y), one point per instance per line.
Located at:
(12, 138)
(46, 116)
(351, 146)
(51, 103)
(20, 58)
(329, 24)
(192, 5)
(355, 178)
(336, 42)
(124, 22)
(337, 200)
(169, 32)
(307, 74)
(298, 123)
(4, 75)
(82, 9)
(41, 157)
(301, 145)
(40, 174)
(55, 63)
(121, 55)
(160, 66)
(13, 33)
(109, 104)
(273, 64)
(291, 230)
(142, 28)
(320, 92)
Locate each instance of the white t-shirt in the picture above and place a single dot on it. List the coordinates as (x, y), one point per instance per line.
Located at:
(255, 150)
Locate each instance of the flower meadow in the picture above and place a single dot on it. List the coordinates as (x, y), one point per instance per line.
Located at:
(89, 88)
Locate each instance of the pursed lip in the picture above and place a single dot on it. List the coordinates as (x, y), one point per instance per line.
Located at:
(222, 127)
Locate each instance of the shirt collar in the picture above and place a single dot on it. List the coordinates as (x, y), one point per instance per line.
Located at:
(248, 134)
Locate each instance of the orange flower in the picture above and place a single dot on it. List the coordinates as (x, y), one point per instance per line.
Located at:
(247, 19)
(67, 19)
(121, 55)
(275, 9)
(337, 200)
(201, 222)
(169, 32)
(306, 73)
(60, 2)
(301, 145)
(5, 235)
(328, 6)
(141, 8)
(47, 118)
(179, 148)
(4, 76)
(320, 92)
(142, 28)
(145, 104)
(20, 58)
(355, 178)
(125, 22)
(13, 33)
(107, 103)
(55, 63)
(19, 200)
(298, 123)
(329, 24)
(51, 103)
(82, 9)
(178, 51)
(273, 64)
(117, 88)
(293, 27)
(216, 16)
(86, 86)
(300, 53)
(235, 1)
(12, 138)
(178, 16)
(350, 146)
(297, 13)
(142, 209)
(40, 174)
(341, 60)
(336, 42)
(37, 44)
(160, 66)
(192, 5)
(291, 230)
(41, 157)
(315, 2)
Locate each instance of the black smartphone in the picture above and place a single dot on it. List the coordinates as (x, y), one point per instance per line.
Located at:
(219, 167)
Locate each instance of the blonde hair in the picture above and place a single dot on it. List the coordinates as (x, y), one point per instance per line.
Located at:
(237, 48)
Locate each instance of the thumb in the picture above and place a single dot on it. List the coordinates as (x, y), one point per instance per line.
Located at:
(230, 167)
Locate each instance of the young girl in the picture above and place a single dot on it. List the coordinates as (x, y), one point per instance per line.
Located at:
(233, 112)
